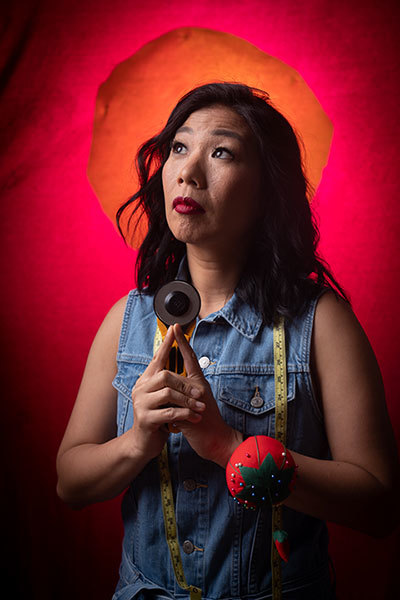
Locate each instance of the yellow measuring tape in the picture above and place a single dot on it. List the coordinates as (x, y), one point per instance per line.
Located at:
(280, 434)
(165, 477)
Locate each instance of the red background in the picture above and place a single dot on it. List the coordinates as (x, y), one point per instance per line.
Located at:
(63, 265)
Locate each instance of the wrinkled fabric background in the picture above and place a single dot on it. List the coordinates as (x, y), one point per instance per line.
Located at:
(63, 265)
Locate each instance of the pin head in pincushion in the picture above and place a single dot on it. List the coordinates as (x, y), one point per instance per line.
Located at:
(261, 472)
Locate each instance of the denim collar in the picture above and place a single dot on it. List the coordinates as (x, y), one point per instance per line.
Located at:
(243, 317)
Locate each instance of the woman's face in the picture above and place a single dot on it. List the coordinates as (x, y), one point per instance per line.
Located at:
(211, 180)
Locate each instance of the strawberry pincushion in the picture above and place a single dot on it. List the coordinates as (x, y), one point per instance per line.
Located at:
(260, 472)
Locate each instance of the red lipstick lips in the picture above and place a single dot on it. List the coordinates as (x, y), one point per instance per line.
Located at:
(187, 206)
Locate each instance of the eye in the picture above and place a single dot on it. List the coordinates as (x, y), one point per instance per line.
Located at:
(178, 147)
(222, 152)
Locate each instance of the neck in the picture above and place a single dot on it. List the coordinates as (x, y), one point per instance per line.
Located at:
(214, 276)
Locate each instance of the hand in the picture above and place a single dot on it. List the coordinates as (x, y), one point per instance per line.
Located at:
(210, 437)
(161, 397)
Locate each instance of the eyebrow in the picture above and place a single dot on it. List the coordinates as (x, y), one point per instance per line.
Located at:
(220, 132)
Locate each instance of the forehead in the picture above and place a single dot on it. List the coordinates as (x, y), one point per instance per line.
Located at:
(216, 118)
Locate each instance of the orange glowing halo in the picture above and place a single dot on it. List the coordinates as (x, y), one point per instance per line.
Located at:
(135, 101)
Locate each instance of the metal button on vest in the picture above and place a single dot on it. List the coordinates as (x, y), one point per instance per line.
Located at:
(204, 362)
(188, 546)
(256, 401)
(189, 485)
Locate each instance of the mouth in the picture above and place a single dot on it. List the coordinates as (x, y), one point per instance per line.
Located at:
(187, 206)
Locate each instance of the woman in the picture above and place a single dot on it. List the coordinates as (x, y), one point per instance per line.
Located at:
(226, 198)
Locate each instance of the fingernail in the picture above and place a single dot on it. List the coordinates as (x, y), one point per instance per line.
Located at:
(199, 405)
(195, 393)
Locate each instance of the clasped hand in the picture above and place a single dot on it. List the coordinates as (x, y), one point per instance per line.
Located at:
(161, 397)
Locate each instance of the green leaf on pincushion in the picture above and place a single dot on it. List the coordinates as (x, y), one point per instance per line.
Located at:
(280, 536)
(268, 480)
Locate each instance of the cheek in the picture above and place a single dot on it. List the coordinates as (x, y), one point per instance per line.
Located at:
(241, 205)
(164, 178)
(168, 175)
(241, 194)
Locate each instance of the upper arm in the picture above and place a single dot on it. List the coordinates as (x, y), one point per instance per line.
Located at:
(351, 389)
(93, 419)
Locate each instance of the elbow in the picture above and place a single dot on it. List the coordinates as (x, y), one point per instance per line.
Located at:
(61, 493)
(68, 498)
(66, 488)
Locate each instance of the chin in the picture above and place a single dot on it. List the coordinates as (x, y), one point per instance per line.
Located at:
(189, 238)
(188, 232)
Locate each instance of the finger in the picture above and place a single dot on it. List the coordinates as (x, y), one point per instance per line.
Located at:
(191, 363)
(155, 419)
(168, 379)
(182, 426)
(161, 356)
(175, 415)
(167, 397)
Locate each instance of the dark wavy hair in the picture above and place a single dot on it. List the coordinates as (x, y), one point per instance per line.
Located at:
(283, 270)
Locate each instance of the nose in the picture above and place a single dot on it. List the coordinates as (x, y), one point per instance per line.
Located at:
(192, 173)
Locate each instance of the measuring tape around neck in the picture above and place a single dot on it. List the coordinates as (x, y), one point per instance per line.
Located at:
(167, 498)
(280, 434)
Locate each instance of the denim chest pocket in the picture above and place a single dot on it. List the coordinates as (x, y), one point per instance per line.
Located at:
(124, 382)
(247, 403)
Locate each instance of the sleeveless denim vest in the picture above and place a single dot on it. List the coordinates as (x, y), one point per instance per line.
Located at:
(225, 549)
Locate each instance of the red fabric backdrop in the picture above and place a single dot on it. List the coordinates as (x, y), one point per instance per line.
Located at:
(63, 265)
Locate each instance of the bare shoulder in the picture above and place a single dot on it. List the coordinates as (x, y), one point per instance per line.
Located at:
(337, 333)
(333, 312)
(117, 310)
(340, 345)
(113, 319)
(108, 334)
